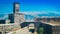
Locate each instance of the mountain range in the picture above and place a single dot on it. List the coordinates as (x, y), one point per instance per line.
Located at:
(31, 16)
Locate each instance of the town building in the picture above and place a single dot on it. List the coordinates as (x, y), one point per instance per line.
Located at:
(4, 21)
(16, 21)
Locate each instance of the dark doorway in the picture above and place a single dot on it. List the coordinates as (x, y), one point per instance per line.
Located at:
(31, 30)
(0, 32)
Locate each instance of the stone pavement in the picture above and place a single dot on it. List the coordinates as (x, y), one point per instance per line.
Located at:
(21, 31)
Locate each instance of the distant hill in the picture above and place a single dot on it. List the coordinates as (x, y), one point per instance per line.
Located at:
(27, 16)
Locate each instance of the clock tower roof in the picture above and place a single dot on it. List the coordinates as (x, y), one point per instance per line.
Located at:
(16, 3)
(16, 7)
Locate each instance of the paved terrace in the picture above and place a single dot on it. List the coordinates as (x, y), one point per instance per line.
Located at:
(5, 26)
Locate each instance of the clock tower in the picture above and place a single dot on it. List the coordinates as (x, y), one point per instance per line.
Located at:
(15, 7)
(16, 16)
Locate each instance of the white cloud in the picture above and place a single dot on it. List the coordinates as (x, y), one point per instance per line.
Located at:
(40, 12)
(34, 12)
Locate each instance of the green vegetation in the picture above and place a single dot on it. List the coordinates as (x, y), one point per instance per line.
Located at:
(14, 32)
(40, 30)
(8, 22)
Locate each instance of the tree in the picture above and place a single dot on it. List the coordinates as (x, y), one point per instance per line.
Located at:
(40, 30)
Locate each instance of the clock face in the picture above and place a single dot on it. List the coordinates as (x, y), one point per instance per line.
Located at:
(17, 5)
(17, 10)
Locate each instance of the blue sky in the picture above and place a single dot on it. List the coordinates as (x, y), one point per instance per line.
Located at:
(44, 7)
(40, 7)
(6, 6)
